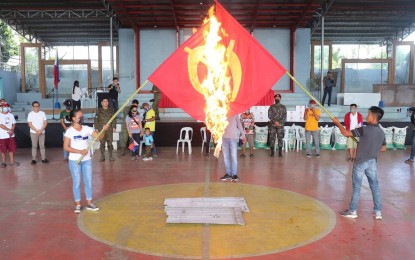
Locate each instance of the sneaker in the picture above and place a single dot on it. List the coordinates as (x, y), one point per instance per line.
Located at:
(92, 207)
(377, 215)
(133, 158)
(66, 160)
(242, 156)
(155, 156)
(226, 177)
(235, 178)
(308, 155)
(252, 155)
(78, 209)
(409, 161)
(33, 162)
(150, 158)
(146, 159)
(3, 165)
(15, 164)
(317, 156)
(349, 213)
(45, 161)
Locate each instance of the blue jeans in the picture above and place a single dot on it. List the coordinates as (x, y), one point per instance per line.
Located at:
(154, 151)
(65, 153)
(83, 168)
(230, 152)
(413, 146)
(369, 169)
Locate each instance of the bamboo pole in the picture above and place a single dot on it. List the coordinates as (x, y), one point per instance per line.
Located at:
(313, 98)
(114, 116)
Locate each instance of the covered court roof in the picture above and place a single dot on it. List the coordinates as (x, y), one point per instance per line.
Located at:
(78, 22)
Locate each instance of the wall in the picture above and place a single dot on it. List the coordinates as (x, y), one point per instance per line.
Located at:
(127, 60)
(155, 47)
(10, 84)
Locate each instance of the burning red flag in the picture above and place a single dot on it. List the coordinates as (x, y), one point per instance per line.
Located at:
(251, 68)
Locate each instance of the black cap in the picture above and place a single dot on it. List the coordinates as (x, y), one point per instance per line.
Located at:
(277, 95)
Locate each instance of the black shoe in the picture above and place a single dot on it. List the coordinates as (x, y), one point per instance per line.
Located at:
(280, 152)
(252, 155)
(33, 162)
(45, 161)
(92, 207)
(226, 177)
(272, 153)
(235, 178)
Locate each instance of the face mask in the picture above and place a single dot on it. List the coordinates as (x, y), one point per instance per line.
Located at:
(5, 110)
(277, 101)
(247, 112)
(311, 105)
(81, 120)
(147, 109)
(353, 110)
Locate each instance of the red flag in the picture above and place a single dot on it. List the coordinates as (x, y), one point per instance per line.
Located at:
(56, 70)
(253, 70)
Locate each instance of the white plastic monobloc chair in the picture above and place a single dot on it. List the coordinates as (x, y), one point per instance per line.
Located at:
(204, 137)
(186, 135)
(299, 136)
(289, 137)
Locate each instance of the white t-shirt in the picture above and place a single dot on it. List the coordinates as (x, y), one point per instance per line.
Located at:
(37, 120)
(77, 95)
(7, 120)
(79, 141)
(353, 121)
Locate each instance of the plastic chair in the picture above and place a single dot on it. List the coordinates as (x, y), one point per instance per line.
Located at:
(186, 135)
(289, 138)
(140, 151)
(204, 137)
(299, 137)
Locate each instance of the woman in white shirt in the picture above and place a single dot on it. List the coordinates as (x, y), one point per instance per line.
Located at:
(76, 143)
(76, 95)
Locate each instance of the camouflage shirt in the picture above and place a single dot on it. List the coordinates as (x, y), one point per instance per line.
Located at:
(102, 117)
(277, 113)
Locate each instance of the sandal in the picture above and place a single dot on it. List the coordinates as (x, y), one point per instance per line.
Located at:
(242, 156)
(3, 165)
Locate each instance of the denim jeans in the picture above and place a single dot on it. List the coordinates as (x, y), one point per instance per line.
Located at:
(413, 146)
(369, 169)
(230, 152)
(154, 151)
(65, 153)
(83, 168)
(316, 141)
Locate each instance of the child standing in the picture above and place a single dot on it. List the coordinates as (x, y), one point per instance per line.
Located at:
(148, 140)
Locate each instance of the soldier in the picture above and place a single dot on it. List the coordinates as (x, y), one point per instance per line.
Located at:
(156, 100)
(124, 133)
(102, 117)
(277, 115)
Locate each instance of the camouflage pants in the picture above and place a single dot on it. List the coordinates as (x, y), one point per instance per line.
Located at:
(123, 137)
(274, 133)
(107, 139)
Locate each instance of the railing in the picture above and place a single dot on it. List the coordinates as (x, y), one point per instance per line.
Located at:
(90, 100)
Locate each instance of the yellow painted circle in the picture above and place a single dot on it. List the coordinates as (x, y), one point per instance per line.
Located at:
(278, 220)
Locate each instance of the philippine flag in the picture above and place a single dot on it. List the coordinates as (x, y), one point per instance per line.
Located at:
(56, 70)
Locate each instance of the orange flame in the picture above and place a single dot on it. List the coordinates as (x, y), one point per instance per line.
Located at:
(216, 85)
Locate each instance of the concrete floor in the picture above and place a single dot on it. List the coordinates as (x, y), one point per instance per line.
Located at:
(37, 219)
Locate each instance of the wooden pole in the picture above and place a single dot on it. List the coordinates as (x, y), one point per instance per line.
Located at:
(113, 117)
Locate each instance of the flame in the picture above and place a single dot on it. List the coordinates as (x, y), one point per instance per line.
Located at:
(217, 84)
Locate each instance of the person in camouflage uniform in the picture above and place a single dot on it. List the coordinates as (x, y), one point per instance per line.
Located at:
(124, 132)
(102, 117)
(277, 115)
(156, 100)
